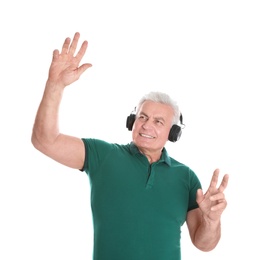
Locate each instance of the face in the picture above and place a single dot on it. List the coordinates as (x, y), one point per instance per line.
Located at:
(152, 125)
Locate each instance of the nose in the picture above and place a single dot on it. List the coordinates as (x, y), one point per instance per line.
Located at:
(147, 124)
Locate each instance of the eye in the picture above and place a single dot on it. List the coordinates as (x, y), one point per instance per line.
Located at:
(159, 122)
(143, 118)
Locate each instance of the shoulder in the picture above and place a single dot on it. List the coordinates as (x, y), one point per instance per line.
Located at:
(183, 169)
(93, 144)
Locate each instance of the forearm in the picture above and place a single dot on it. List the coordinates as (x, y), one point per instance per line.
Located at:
(46, 125)
(204, 223)
(207, 235)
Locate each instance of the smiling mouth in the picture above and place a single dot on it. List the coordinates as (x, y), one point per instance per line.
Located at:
(147, 136)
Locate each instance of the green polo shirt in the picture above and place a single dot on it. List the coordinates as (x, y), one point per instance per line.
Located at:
(138, 208)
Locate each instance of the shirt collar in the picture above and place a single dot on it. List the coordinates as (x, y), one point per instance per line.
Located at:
(164, 155)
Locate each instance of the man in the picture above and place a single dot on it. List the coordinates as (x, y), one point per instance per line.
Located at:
(140, 196)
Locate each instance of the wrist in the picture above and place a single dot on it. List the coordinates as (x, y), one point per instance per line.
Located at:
(210, 223)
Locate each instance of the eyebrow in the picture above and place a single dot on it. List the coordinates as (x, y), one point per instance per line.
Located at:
(157, 118)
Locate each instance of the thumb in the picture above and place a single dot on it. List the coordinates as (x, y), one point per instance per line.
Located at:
(199, 196)
(83, 68)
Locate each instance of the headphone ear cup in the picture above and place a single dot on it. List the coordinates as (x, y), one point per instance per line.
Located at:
(174, 133)
(130, 121)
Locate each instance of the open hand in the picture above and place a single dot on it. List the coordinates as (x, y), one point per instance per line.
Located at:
(65, 68)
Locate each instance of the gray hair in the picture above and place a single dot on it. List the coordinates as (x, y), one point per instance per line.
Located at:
(162, 98)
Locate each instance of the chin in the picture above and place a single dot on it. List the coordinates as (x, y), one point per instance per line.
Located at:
(144, 143)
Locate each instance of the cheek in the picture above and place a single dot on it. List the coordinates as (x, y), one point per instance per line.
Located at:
(135, 129)
(136, 126)
(163, 133)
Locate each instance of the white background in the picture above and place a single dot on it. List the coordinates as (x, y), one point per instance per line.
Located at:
(205, 54)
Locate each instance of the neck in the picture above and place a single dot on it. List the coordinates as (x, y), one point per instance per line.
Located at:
(152, 157)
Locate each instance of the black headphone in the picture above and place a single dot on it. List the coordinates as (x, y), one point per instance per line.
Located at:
(174, 133)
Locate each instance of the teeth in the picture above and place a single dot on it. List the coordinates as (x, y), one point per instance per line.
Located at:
(148, 136)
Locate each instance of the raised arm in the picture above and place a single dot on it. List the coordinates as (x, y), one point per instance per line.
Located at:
(65, 69)
(204, 223)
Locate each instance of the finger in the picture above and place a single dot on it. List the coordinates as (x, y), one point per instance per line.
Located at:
(74, 43)
(66, 45)
(219, 206)
(224, 183)
(214, 179)
(55, 54)
(82, 51)
(218, 196)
